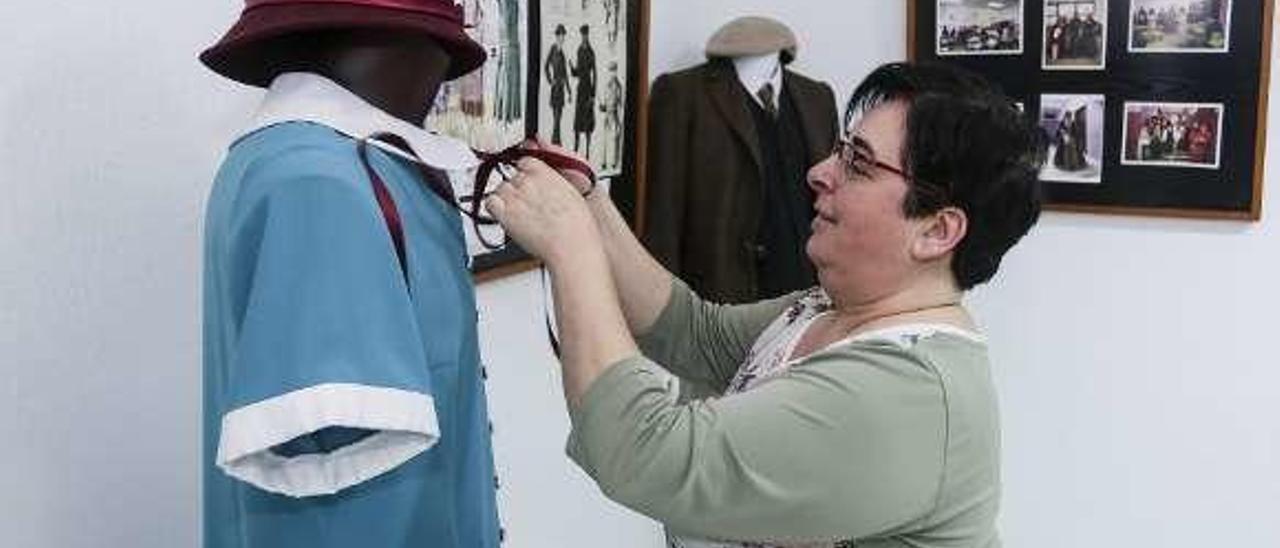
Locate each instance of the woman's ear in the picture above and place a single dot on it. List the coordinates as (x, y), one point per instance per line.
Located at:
(940, 233)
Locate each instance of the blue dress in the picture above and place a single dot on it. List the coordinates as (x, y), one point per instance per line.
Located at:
(311, 327)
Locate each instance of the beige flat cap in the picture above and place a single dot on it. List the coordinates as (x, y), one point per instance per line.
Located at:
(752, 36)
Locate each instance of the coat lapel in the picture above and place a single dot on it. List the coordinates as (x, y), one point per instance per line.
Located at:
(730, 100)
(815, 124)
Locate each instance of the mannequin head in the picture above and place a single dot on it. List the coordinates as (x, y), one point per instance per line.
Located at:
(399, 72)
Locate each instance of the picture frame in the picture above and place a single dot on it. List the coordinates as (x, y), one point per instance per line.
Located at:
(1195, 72)
(502, 103)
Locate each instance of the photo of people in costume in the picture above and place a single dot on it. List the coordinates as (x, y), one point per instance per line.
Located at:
(1074, 126)
(980, 27)
(584, 71)
(1180, 26)
(1075, 34)
(486, 108)
(1173, 134)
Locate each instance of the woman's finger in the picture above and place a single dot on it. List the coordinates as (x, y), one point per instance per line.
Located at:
(534, 167)
(496, 207)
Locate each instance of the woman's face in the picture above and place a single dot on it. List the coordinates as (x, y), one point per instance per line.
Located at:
(861, 243)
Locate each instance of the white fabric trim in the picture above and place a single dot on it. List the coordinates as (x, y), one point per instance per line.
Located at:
(907, 335)
(406, 422)
(307, 97)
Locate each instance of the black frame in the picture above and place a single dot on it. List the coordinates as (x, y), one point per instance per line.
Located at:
(1239, 79)
(626, 189)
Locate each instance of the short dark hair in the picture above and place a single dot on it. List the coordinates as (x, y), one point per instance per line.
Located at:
(967, 145)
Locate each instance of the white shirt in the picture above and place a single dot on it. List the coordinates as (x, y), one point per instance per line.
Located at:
(757, 70)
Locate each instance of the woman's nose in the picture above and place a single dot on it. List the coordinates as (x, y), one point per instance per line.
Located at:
(821, 177)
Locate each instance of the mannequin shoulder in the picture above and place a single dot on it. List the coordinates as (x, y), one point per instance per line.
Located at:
(809, 85)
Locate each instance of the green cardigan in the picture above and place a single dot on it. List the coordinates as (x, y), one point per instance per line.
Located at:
(883, 443)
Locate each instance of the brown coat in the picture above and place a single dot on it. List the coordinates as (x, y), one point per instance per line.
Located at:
(703, 202)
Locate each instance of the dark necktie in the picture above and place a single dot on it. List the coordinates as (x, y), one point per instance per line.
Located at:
(766, 98)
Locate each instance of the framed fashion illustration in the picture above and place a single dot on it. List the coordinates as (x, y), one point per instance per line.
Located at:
(1150, 107)
(593, 74)
(594, 78)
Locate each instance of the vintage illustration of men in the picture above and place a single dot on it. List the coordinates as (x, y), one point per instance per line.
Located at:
(584, 79)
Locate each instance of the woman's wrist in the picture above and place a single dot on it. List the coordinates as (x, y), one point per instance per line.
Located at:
(583, 253)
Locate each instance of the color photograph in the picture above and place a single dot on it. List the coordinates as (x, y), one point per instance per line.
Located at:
(980, 27)
(1180, 26)
(584, 79)
(1173, 134)
(1075, 35)
(1074, 126)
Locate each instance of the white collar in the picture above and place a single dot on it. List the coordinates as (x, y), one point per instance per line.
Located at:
(308, 97)
(755, 71)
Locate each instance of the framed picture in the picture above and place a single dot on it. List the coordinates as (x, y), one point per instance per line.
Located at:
(1179, 26)
(979, 27)
(1186, 135)
(1075, 35)
(593, 68)
(1074, 124)
(1151, 107)
(597, 69)
(488, 108)
(582, 98)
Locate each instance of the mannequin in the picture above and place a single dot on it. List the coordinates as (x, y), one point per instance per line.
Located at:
(344, 400)
(728, 210)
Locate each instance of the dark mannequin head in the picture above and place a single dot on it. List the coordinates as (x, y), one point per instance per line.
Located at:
(399, 72)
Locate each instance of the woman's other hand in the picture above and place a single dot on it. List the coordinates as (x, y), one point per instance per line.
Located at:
(544, 213)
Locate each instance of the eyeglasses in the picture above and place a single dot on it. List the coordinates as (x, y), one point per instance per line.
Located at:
(858, 158)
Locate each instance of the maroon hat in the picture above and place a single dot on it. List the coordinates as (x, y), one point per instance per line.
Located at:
(240, 55)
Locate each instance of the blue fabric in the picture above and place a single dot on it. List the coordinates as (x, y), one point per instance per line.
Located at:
(302, 288)
(326, 440)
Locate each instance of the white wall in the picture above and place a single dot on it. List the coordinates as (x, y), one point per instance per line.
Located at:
(1139, 391)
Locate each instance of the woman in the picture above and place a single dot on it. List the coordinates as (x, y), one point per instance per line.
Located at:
(858, 413)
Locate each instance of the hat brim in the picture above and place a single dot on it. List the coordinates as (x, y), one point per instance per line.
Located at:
(243, 54)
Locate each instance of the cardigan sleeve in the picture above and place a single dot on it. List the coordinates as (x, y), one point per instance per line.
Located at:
(705, 342)
(847, 444)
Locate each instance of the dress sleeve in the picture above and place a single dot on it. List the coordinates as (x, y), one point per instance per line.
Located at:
(842, 446)
(706, 342)
(326, 343)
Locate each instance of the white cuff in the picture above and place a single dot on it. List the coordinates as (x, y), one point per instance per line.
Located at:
(405, 421)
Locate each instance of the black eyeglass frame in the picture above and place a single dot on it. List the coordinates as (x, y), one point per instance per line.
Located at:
(855, 152)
